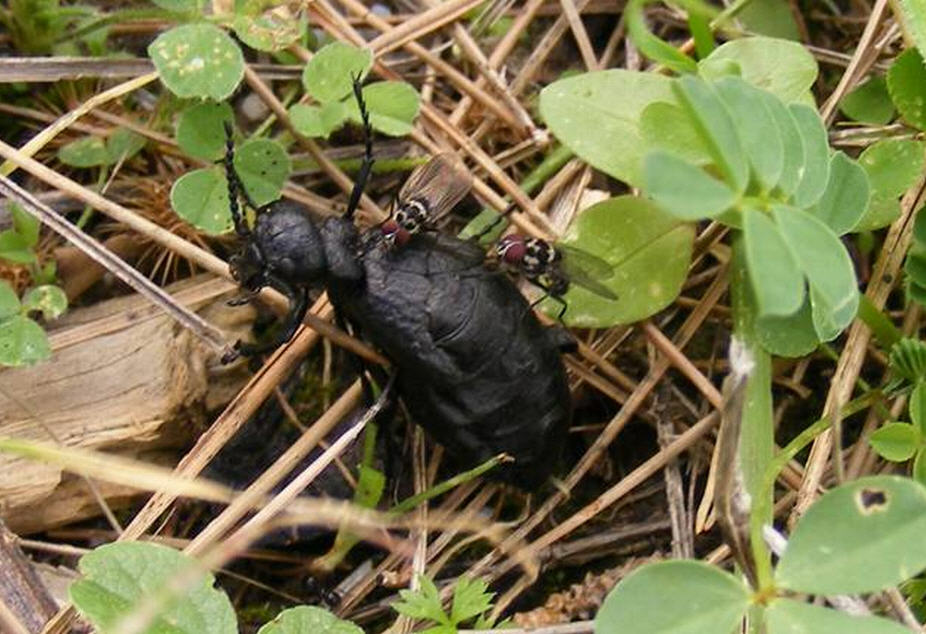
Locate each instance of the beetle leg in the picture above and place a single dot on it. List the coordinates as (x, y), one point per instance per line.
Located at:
(298, 305)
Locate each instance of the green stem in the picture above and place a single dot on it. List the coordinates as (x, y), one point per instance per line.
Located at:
(127, 15)
(757, 434)
(439, 489)
(881, 327)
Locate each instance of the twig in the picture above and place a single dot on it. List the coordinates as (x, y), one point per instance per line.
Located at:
(89, 245)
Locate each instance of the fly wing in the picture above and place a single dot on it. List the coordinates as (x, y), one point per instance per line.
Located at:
(440, 184)
(586, 270)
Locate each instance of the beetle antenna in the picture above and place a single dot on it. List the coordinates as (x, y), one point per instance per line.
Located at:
(363, 175)
(234, 185)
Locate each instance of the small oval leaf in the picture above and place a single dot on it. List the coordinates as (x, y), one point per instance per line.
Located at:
(328, 75)
(896, 442)
(714, 601)
(22, 342)
(597, 115)
(307, 618)
(869, 102)
(201, 198)
(9, 303)
(787, 616)
(393, 106)
(777, 281)
(685, 191)
(201, 130)
(846, 195)
(118, 576)
(786, 69)
(318, 121)
(263, 166)
(89, 151)
(649, 252)
(906, 82)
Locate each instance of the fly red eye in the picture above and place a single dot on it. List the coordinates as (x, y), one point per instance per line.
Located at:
(401, 237)
(390, 228)
(512, 249)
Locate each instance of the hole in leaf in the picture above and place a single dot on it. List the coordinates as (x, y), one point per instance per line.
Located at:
(872, 500)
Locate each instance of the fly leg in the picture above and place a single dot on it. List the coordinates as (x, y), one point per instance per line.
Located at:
(547, 293)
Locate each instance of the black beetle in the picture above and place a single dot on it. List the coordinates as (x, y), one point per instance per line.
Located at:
(474, 366)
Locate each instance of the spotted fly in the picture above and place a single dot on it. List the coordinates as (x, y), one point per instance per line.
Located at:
(429, 194)
(553, 268)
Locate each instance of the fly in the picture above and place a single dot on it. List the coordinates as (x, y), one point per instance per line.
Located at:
(553, 268)
(429, 194)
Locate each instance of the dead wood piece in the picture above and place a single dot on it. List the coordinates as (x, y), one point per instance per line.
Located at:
(24, 600)
(121, 376)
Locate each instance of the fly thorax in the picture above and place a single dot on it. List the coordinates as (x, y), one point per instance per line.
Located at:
(412, 215)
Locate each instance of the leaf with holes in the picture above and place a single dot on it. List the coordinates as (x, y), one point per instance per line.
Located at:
(271, 30)
(48, 299)
(873, 524)
(198, 60)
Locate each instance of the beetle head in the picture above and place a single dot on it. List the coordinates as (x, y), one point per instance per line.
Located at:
(248, 267)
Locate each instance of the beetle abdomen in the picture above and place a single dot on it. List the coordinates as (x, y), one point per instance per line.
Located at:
(476, 368)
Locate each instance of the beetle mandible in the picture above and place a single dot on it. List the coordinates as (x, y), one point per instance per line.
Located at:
(474, 366)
